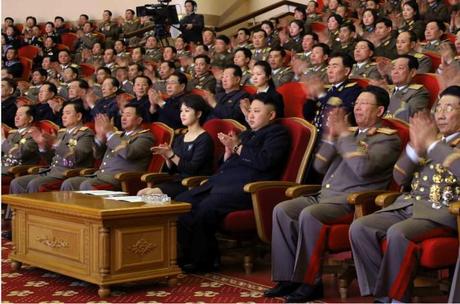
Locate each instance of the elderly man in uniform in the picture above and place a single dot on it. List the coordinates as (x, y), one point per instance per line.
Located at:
(124, 151)
(72, 146)
(353, 159)
(431, 166)
(406, 98)
(19, 148)
(405, 45)
(364, 67)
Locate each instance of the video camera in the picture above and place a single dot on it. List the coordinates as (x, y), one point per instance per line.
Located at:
(161, 13)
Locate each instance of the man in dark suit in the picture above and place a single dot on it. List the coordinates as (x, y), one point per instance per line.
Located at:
(431, 166)
(191, 24)
(120, 151)
(9, 106)
(257, 154)
(352, 159)
(72, 148)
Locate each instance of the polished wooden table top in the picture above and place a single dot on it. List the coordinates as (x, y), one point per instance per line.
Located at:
(90, 206)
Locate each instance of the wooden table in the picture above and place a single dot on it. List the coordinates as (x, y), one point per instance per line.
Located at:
(95, 239)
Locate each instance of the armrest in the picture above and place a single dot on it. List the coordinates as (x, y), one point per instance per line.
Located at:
(454, 208)
(386, 199)
(257, 186)
(193, 181)
(124, 176)
(20, 170)
(72, 172)
(156, 178)
(299, 190)
(35, 169)
(365, 201)
(87, 171)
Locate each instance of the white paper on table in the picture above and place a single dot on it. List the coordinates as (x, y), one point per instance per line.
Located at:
(101, 192)
(131, 199)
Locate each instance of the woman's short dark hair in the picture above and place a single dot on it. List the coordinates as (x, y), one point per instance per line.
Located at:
(413, 4)
(267, 70)
(197, 103)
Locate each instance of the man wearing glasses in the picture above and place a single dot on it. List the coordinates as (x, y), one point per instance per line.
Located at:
(431, 166)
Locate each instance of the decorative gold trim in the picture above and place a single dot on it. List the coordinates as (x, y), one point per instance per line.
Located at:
(354, 154)
(450, 159)
(320, 157)
(398, 168)
(53, 243)
(142, 247)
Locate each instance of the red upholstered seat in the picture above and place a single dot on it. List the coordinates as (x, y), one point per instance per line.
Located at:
(250, 89)
(26, 67)
(87, 70)
(294, 96)
(68, 39)
(432, 83)
(318, 27)
(28, 51)
(362, 82)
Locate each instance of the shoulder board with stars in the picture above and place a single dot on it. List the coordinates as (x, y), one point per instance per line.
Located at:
(12, 131)
(62, 130)
(386, 131)
(83, 128)
(419, 55)
(455, 142)
(352, 129)
(118, 132)
(415, 86)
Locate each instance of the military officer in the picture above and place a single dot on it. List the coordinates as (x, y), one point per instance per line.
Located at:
(309, 40)
(406, 98)
(124, 151)
(280, 74)
(39, 76)
(405, 45)
(433, 33)
(347, 41)
(203, 79)
(387, 46)
(221, 56)
(431, 166)
(260, 49)
(342, 92)
(73, 148)
(364, 67)
(191, 24)
(152, 51)
(19, 148)
(130, 24)
(318, 61)
(353, 159)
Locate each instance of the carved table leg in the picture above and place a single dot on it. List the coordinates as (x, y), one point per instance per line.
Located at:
(15, 265)
(103, 291)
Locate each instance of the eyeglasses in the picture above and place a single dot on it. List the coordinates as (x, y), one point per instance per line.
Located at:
(445, 109)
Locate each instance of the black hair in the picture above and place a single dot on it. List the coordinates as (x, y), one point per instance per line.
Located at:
(370, 45)
(312, 34)
(108, 12)
(347, 60)
(350, 26)
(197, 103)
(279, 49)
(440, 24)
(300, 24)
(51, 87)
(171, 64)
(149, 81)
(387, 22)
(245, 30)
(236, 70)
(33, 18)
(31, 112)
(325, 47)
(180, 77)
(412, 35)
(412, 61)
(78, 107)
(192, 2)
(205, 57)
(381, 95)
(9, 18)
(141, 48)
(11, 83)
(84, 16)
(337, 17)
(269, 23)
(453, 90)
(260, 30)
(82, 84)
(42, 71)
(301, 9)
(267, 99)
(114, 81)
(223, 38)
(174, 50)
(374, 14)
(247, 53)
(139, 110)
(106, 70)
(132, 11)
(59, 18)
(413, 4)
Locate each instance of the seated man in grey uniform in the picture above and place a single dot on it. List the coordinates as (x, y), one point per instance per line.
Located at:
(353, 159)
(124, 151)
(72, 148)
(431, 166)
(406, 99)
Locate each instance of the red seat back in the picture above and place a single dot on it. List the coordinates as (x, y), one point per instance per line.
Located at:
(162, 134)
(26, 67)
(28, 51)
(47, 126)
(303, 137)
(362, 82)
(250, 89)
(294, 96)
(216, 126)
(431, 82)
(68, 39)
(318, 27)
(199, 92)
(87, 70)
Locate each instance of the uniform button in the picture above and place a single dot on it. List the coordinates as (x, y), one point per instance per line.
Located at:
(328, 186)
(113, 151)
(422, 189)
(102, 170)
(104, 163)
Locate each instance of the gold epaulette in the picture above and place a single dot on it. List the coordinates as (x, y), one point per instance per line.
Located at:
(352, 129)
(455, 142)
(327, 86)
(335, 101)
(415, 86)
(419, 55)
(387, 131)
(62, 130)
(143, 131)
(12, 131)
(351, 84)
(83, 128)
(118, 132)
